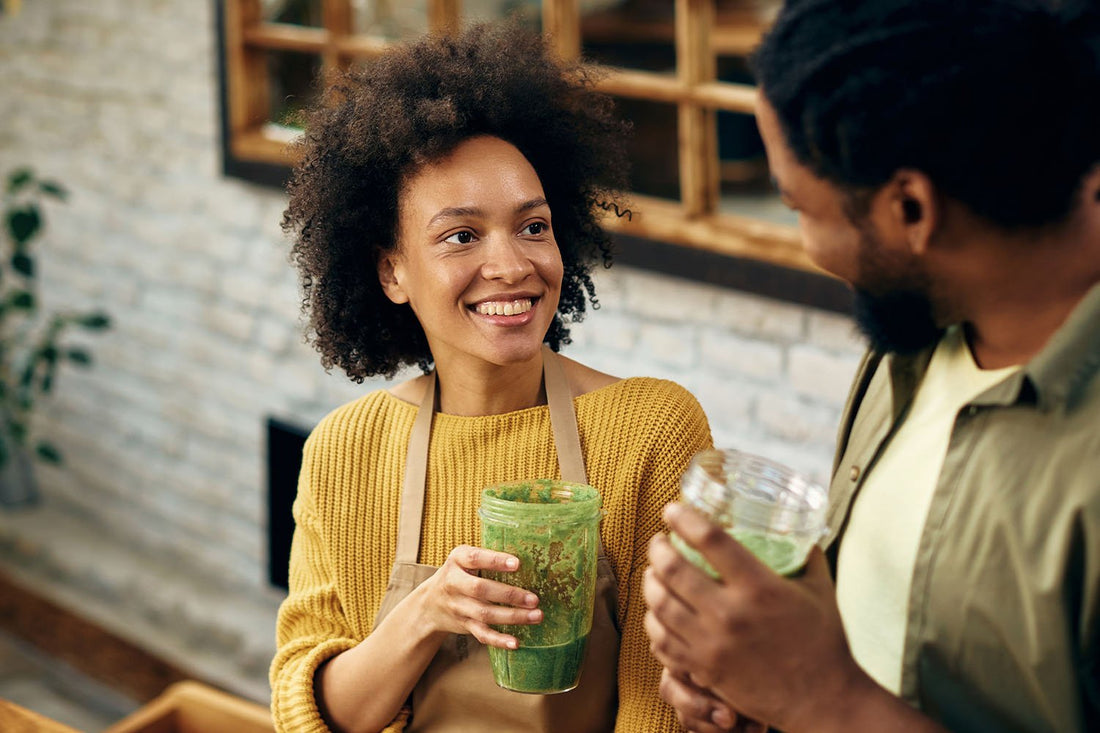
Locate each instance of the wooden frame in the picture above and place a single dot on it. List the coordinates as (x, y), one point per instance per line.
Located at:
(694, 221)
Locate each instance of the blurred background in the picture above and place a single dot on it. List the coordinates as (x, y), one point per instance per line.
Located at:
(154, 383)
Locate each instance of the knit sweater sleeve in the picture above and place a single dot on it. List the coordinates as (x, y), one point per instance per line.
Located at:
(677, 429)
(311, 626)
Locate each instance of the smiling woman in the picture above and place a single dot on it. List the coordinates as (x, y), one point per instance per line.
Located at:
(445, 215)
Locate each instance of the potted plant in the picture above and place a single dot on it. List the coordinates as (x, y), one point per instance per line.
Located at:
(31, 345)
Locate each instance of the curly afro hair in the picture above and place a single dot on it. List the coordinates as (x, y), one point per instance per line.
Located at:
(378, 124)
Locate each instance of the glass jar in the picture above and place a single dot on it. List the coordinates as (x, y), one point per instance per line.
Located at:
(553, 528)
(774, 511)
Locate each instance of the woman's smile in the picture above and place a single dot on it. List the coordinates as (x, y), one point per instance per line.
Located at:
(511, 310)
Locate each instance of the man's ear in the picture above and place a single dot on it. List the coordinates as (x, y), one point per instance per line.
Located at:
(915, 208)
(389, 275)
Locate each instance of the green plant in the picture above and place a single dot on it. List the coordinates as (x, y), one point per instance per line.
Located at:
(31, 348)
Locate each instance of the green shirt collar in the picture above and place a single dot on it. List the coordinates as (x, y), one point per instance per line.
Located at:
(1057, 377)
(1063, 370)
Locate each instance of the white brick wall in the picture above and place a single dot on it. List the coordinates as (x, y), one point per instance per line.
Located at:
(163, 438)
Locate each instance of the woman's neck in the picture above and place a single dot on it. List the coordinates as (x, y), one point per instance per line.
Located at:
(489, 389)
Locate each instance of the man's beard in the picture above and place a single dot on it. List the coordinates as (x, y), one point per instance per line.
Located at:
(893, 308)
(900, 321)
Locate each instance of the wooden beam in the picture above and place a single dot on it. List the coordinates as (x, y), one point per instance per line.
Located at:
(665, 88)
(662, 220)
(444, 15)
(561, 21)
(245, 66)
(287, 37)
(697, 128)
(253, 145)
(361, 46)
(336, 17)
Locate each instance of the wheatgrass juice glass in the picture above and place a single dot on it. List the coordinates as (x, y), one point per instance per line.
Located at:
(553, 528)
(771, 509)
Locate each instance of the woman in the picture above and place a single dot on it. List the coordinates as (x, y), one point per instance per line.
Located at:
(445, 213)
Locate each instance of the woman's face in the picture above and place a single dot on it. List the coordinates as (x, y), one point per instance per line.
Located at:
(476, 257)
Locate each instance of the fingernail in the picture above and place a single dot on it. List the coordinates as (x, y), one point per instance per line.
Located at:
(672, 511)
(534, 616)
(512, 644)
(531, 600)
(511, 563)
(721, 718)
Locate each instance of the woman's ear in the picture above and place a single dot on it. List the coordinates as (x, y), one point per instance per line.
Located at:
(389, 275)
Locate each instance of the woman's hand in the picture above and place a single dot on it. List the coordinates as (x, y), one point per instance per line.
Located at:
(456, 600)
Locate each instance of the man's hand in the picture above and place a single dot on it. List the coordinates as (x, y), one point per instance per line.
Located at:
(699, 711)
(772, 648)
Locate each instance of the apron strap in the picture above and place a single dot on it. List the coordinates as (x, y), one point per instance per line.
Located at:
(563, 422)
(416, 473)
(563, 419)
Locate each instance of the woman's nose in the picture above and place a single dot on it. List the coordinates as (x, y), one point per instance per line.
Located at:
(507, 260)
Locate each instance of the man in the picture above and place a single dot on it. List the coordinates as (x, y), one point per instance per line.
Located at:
(944, 158)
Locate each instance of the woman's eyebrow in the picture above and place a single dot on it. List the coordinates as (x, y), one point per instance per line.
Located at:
(532, 204)
(453, 212)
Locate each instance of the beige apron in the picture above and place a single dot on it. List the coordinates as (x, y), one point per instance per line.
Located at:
(457, 692)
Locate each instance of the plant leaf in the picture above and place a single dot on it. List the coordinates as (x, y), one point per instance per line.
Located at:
(19, 178)
(96, 321)
(23, 224)
(52, 188)
(23, 264)
(79, 356)
(48, 453)
(27, 377)
(22, 299)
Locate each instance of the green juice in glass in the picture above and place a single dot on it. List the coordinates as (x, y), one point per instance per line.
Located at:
(782, 555)
(552, 527)
(775, 512)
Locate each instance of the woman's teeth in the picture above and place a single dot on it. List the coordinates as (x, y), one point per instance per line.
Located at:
(504, 308)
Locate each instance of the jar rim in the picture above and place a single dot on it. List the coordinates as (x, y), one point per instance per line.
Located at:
(575, 502)
(715, 478)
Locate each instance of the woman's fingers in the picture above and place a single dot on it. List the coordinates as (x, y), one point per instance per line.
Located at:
(490, 614)
(491, 637)
(472, 559)
(474, 604)
(494, 591)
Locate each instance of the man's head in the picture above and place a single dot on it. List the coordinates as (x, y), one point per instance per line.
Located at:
(879, 111)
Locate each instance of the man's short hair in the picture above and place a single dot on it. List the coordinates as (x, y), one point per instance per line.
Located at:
(997, 101)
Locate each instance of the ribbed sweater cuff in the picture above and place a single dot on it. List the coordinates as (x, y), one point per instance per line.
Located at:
(294, 705)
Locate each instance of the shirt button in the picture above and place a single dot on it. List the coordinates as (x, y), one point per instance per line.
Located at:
(853, 475)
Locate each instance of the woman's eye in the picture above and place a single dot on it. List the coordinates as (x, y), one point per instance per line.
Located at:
(535, 228)
(463, 237)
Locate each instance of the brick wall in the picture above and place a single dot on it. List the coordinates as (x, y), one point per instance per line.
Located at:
(163, 437)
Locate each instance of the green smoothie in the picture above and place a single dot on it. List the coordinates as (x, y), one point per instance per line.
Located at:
(552, 527)
(539, 669)
(779, 553)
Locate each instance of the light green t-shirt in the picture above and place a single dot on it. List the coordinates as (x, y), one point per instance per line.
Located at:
(875, 562)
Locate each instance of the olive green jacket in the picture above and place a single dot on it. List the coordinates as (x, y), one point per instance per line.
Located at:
(1003, 629)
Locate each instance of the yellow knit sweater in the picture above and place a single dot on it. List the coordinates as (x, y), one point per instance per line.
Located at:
(638, 436)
